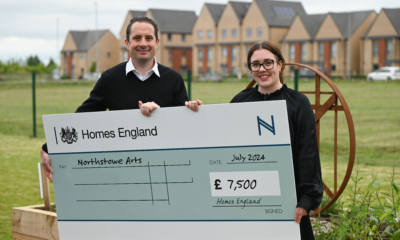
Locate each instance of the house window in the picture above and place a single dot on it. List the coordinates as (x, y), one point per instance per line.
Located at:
(375, 66)
(291, 51)
(183, 53)
(200, 70)
(82, 55)
(183, 37)
(200, 34)
(333, 68)
(259, 31)
(389, 49)
(209, 54)
(169, 36)
(209, 34)
(333, 51)
(224, 52)
(65, 58)
(234, 32)
(247, 49)
(233, 70)
(170, 55)
(109, 55)
(248, 32)
(209, 69)
(224, 33)
(200, 55)
(72, 55)
(234, 54)
(321, 51)
(125, 56)
(303, 51)
(375, 49)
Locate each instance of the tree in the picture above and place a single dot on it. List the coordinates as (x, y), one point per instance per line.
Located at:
(51, 65)
(33, 61)
(93, 67)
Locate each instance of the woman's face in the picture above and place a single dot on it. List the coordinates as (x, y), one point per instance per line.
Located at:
(267, 80)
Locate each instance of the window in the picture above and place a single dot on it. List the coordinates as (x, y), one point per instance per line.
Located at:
(291, 51)
(209, 55)
(209, 34)
(183, 37)
(209, 69)
(224, 52)
(248, 32)
(303, 51)
(109, 55)
(125, 56)
(169, 36)
(82, 55)
(389, 49)
(283, 11)
(234, 33)
(234, 54)
(333, 68)
(65, 58)
(200, 55)
(333, 50)
(183, 53)
(321, 51)
(72, 55)
(200, 70)
(247, 50)
(224, 33)
(375, 66)
(375, 49)
(170, 55)
(233, 70)
(259, 31)
(200, 34)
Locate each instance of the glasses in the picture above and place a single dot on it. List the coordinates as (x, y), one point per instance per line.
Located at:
(267, 64)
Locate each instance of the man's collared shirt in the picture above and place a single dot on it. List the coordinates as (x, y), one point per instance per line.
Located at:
(131, 68)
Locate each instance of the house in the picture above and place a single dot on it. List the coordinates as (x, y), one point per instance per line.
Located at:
(123, 52)
(380, 44)
(81, 48)
(175, 49)
(204, 35)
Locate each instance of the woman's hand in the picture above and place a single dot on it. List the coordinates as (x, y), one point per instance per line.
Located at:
(300, 212)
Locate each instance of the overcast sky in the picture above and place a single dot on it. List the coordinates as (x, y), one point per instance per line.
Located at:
(29, 27)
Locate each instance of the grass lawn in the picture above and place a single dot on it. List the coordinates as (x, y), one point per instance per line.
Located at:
(375, 107)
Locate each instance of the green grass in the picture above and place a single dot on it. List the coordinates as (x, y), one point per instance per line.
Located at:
(375, 107)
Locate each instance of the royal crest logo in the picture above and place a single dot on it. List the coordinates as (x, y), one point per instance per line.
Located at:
(68, 135)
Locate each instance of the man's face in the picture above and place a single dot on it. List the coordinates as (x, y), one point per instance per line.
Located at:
(142, 43)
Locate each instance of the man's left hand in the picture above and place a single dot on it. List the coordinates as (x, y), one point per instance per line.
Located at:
(300, 212)
(194, 105)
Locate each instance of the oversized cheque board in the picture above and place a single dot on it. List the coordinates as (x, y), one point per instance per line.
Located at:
(224, 172)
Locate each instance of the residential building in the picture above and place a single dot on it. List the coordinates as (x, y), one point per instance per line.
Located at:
(204, 35)
(80, 51)
(123, 52)
(175, 49)
(380, 44)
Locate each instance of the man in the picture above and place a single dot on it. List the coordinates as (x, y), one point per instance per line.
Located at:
(139, 83)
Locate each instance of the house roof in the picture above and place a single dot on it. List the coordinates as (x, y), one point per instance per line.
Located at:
(342, 21)
(240, 9)
(174, 21)
(280, 13)
(137, 13)
(215, 10)
(312, 22)
(84, 40)
(394, 17)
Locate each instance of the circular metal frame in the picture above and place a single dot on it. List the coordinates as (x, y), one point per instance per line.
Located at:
(320, 109)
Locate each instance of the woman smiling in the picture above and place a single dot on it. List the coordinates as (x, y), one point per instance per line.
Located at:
(266, 63)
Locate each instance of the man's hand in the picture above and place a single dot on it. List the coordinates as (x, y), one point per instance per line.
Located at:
(46, 165)
(300, 212)
(148, 108)
(194, 105)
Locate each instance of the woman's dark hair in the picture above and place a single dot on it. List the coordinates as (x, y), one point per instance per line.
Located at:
(141, 19)
(273, 49)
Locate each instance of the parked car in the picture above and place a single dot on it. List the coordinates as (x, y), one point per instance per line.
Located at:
(211, 77)
(385, 73)
(92, 76)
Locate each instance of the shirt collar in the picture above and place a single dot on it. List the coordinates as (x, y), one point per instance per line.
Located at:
(129, 67)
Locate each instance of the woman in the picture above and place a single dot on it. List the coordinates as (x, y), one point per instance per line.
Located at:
(267, 64)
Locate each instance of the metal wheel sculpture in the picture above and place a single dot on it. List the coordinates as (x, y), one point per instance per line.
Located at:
(331, 104)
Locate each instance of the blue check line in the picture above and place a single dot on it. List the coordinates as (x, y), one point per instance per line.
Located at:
(172, 149)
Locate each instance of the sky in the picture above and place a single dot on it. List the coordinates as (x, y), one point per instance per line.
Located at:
(30, 27)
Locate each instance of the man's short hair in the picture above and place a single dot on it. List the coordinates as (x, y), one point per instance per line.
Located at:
(142, 19)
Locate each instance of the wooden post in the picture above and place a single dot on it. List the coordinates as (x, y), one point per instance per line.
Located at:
(46, 190)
